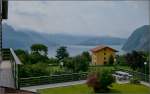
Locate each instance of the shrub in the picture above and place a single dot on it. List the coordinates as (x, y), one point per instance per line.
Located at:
(76, 64)
(135, 80)
(100, 81)
(111, 60)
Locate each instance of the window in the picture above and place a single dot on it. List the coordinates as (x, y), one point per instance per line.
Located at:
(104, 58)
(104, 53)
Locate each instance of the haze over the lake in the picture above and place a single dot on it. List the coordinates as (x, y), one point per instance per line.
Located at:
(90, 18)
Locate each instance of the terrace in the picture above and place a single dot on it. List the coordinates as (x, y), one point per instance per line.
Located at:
(9, 62)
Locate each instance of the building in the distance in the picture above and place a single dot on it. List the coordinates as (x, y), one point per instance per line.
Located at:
(101, 54)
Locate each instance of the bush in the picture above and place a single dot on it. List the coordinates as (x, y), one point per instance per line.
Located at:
(100, 81)
(33, 70)
(76, 64)
(135, 80)
(111, 60)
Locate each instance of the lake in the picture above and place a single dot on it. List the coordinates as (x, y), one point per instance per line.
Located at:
(78, 49)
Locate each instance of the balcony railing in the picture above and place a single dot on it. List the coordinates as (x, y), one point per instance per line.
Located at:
(9, 54)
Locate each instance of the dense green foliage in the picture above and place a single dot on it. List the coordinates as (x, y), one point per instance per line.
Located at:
(40, 49)
(33, 70)
(78, 63)
(37, 62)
(135, 80)
(111, 60)
(23, 55)
(62, 53)
(136, 61)
(120, 60)
(100, 81)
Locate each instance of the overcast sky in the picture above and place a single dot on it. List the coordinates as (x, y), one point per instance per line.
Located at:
(91, 18)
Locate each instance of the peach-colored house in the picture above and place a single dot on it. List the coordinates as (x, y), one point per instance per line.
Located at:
(101, 54)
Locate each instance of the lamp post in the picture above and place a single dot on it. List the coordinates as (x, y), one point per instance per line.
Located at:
(145, 63)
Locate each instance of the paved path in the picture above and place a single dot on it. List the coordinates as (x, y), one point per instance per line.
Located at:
(35, 88)
(145, 83)
(6, 76)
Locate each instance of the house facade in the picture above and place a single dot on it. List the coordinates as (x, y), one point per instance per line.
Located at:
(101, 54)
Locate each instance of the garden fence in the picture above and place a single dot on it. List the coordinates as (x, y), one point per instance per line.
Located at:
(33, 81)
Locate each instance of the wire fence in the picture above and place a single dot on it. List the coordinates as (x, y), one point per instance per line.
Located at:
(42, 80)
(32, 81)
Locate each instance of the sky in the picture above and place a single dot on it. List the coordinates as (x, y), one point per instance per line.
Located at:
(88, 18)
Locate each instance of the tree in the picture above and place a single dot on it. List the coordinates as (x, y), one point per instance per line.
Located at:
(62, 53)
(120, 60)
(39, 48)
(23, 55)
(33, 70)
(86, 56)
(111, 60)
(36, 57)
(135, 60)
(76, 64)
(100, 81)
(69, 64)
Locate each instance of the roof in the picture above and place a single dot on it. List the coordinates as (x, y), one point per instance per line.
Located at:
(100, 47)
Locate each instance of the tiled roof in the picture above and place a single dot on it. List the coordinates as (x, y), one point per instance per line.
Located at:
(100, 47)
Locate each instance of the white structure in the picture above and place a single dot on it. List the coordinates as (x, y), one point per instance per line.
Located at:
(122, 77)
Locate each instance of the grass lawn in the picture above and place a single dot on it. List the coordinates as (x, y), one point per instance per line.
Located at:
(83, 89)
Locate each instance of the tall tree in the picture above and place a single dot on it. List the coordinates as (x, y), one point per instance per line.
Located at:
(62, 53)
(86, 56)
(40, 49)
(135, 60)
(76, 64)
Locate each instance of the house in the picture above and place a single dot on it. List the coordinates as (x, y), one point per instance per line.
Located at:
(101, 54)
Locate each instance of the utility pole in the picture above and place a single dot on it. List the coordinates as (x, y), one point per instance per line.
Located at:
(0, 31)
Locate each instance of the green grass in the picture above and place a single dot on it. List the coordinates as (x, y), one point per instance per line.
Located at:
(130, 89)
(83, 89)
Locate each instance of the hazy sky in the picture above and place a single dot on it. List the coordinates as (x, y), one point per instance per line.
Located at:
(91, 18)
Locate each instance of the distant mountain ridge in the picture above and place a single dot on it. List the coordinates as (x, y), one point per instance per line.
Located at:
(22, 39)
(25, 38)
(139, 40)
(104, 41)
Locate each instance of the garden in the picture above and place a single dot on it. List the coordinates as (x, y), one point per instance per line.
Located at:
(84, 89)
(39, 69)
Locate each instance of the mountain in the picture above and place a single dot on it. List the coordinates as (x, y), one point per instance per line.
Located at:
(13, 38)
(104, 41)
(23, 38)
(65, 39)
(139, 40)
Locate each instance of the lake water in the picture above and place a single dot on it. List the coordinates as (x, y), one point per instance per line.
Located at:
(78, 49)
